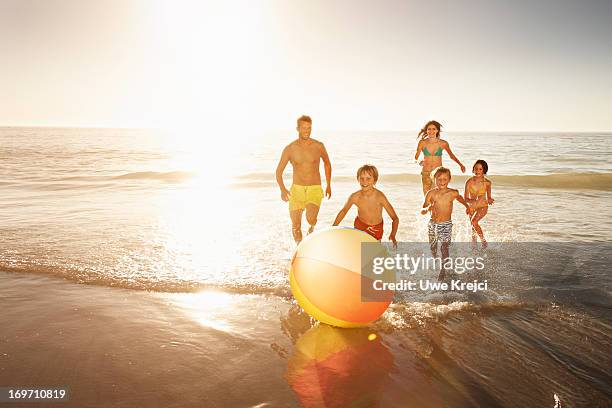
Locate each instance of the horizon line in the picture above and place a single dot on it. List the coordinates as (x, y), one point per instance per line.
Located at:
(321, 130)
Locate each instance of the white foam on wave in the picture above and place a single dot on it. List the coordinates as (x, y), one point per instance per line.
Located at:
(417, 314)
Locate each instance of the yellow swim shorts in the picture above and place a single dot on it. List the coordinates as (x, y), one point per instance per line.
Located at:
(302, 195)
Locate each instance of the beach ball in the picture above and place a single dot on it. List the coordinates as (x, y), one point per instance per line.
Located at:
(332, 367)
(327, 282)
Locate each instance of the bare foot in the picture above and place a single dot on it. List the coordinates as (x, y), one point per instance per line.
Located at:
(311, 229)
(484, 244)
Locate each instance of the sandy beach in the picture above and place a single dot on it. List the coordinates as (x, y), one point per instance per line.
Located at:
(125, 348)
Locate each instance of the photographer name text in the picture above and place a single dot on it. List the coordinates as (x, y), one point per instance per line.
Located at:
(455, 285)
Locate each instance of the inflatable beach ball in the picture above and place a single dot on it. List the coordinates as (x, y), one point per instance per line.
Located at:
(326, 278)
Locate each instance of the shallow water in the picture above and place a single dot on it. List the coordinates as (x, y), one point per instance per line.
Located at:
(133, 209)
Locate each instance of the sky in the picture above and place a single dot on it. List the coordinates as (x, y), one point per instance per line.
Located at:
(474, 65)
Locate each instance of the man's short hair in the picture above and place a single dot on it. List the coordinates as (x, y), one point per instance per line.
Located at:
(368, 168)
(441, 170)
(304, 118)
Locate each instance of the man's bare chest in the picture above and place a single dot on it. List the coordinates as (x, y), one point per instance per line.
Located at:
(305, 156)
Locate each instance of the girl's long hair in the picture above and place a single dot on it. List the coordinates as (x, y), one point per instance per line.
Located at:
(423, 133)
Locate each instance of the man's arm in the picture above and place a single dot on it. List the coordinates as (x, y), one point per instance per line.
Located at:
(344, 210)
(328, 170)
(391, 211)
(279, 174)
(446, 147)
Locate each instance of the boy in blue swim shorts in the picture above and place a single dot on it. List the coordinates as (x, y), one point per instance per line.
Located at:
(439, 201)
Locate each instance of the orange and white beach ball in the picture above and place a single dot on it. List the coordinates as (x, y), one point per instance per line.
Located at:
(326, 278)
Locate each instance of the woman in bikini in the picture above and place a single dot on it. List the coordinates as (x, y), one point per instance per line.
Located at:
(432, 147)
(478, 197)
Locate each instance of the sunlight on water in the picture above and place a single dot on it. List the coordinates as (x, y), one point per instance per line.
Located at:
(208, 308)
(202, 229)
(215, 156)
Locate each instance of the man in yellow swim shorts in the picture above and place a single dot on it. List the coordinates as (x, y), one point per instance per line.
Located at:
(305, 155)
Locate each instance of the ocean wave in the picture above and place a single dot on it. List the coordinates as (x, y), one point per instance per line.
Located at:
(403, 315)
(400, 315)
(85, 182)
(586, 181)
(92, 276)
(98, 278)
(257, 176)
(561, 181)
(169, 176)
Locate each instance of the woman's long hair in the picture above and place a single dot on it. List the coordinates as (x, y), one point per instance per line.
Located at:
(423, 133)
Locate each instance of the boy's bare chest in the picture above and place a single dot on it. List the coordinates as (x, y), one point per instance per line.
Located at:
(370, 202)
(443, 199)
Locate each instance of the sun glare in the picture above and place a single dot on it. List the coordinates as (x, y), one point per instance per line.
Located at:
(207, 52)
(207, 307)
(213, 155)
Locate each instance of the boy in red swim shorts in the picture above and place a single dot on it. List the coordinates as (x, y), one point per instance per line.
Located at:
(370, 202)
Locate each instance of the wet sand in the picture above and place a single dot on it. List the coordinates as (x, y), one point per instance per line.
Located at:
(125, 348)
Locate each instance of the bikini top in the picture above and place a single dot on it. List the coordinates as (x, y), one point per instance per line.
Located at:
(478, 192)
(437, 153)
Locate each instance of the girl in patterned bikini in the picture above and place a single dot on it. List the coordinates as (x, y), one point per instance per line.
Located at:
(478, 196)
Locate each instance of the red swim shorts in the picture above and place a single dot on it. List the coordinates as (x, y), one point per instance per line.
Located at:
(374, 230)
